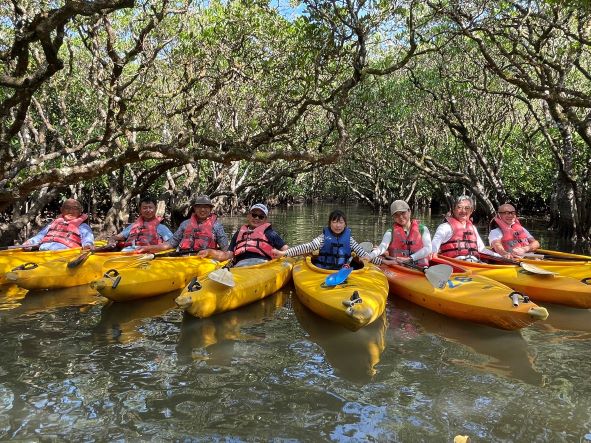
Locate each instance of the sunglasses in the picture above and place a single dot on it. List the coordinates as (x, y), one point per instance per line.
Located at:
(259, 216)
(508, 212)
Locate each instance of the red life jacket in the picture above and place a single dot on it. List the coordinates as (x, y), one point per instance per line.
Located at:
(253, 240)
(403, 245)
(144, 233)
(65, 232)
(198, 236)
(462, 242)
(513, 236)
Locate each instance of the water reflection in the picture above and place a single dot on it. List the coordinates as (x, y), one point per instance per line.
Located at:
(563, 318)
(120, 321)
(44, 301)
(353, 355)
(509, 351)
(213, 338)
(11, 297)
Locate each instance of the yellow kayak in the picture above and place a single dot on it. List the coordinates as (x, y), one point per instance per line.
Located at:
(466, 296)
(132, 278)
(13, 258)
(540, 288)
(357, 302)
(251, 283)
(55, 274)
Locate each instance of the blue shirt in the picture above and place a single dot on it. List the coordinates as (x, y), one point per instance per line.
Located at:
(218, 232)
(86, 237)
(162, 230)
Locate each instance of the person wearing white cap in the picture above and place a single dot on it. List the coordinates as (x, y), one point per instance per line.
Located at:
(406, 240)
(457, 237)
(202, 234)
(254, 242)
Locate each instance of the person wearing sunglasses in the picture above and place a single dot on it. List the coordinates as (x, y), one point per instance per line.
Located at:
(69, 230)
(507, 237)
(457, 237)
(254, 242)
(202, 234)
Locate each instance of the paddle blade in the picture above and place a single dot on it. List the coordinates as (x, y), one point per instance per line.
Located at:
(338, 277)
(222, 276)
(535, 269)
(438, 275)
(79, 260)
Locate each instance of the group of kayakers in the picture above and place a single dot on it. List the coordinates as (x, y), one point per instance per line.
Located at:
(256, 241)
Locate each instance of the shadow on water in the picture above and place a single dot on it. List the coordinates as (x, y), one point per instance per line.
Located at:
(506, 351)
(564, 318)
(213, 338)
(353, 355)
(119, 321)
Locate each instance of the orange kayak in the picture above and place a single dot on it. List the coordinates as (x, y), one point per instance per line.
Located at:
(466, 296)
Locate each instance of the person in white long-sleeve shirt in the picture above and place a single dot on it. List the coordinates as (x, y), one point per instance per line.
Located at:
(507, 237)
(458, 237)
(407, 240)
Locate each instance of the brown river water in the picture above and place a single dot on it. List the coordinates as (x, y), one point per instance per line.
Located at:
(76, 368)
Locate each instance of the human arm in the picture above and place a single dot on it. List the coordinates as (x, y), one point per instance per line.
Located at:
(37, 238)
(426, 250)
(442, 234)
(86, 236)
(382, 247)
(302, 249)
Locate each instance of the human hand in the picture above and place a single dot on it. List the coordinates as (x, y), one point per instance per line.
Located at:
(276, 253)
(519, 251)
(204, 253)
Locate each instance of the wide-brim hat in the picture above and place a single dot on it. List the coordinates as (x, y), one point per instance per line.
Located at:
(201, 200)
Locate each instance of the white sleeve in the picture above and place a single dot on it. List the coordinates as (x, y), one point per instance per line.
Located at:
(442, 234)
(426, 249)
(494, 235)
(383, 246)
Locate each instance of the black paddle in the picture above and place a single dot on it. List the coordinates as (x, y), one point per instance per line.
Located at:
(74, 263)
(23, 247)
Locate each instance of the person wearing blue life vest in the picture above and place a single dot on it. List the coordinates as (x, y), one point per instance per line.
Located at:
(335, 244)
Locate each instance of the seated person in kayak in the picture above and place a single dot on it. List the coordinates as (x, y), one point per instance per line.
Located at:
(145, 230)
(507, 237)
(254, 242)
(457, 237)
(66, 231)
(202, 231)
(407, 240)
(335, 244)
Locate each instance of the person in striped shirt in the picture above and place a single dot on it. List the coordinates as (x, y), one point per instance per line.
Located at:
(335, 244)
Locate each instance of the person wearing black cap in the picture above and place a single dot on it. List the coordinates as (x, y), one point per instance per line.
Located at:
(203, 231)
(407, 239)
(254, 242)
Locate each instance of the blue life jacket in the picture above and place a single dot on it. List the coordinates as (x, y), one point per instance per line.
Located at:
(335, 251)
